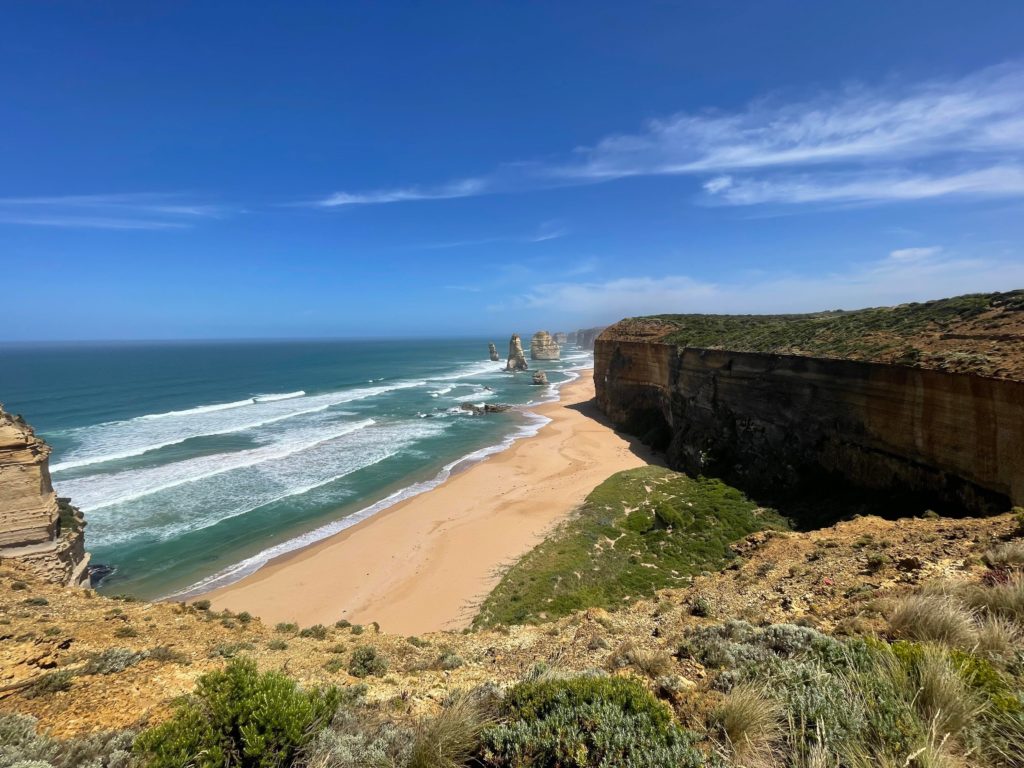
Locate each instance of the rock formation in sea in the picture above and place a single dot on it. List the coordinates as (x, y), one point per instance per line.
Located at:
(492, 352)
(478, 410)
(560, 338)
(540, 378)
(934, 415)
(543, 347)
(41, 532)
(516, 357)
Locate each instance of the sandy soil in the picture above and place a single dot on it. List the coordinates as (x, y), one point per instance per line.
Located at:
(425, 564)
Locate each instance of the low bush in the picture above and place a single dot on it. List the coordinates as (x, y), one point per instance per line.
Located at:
(451, 737)
(652, 663)
(586, 722)
(112, 661)
(239, 717)
(317, 632)
(125, 631)
(48, 683)
(286, 627)
(367, 660)
(22, 745)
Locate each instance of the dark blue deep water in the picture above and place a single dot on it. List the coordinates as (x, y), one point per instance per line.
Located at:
(197, 461)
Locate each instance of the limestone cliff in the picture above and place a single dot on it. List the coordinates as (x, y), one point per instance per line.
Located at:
(773, 421)
(492, 352)
(560, 338)
(516, 357)
(585, 337)
(543, 347)
(40, 531)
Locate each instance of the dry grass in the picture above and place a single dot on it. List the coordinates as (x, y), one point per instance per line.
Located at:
(998, 638)
(944, 699)
(1004, 599)
(1006, 556)
(448, 739)
(932, 618)
(751, 724)
(654, 664)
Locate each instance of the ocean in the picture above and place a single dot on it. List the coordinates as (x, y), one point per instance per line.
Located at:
(196, 462)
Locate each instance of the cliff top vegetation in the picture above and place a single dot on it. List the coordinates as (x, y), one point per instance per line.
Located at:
(979, 333)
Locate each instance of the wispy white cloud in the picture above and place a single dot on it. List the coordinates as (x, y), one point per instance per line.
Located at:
(915, 254)
(980, 113)
(868, 186)
(454, 189)
(904, 275)
(544, 233)
(965, 136)
(118, 211)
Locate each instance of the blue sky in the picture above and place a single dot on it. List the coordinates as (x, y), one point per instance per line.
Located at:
(190, 170)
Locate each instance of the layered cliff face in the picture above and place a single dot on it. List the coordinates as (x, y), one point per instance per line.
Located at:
(776, 421)
(516, 357)
(560, 338)
(585, 337)
(543, 347)
(43, 533)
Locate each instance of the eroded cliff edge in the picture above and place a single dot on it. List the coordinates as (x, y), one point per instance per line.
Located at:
(40, 532)
(923, 399)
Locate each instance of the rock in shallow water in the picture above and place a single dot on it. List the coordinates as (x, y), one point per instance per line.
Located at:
(516, 357)
(543, 347)
(540, 378)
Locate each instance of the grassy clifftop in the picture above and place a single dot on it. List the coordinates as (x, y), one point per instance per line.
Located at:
(976, 333)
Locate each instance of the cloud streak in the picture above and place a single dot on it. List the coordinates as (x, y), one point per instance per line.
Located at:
(141, 211)
(910, 274)
(965, 137)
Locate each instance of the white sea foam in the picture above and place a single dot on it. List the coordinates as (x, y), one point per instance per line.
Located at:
(115, 440)
(206, 501)
(104, 490)
(252, 564)
(225, 406)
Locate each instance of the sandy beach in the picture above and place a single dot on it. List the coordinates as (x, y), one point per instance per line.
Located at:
(425, 564)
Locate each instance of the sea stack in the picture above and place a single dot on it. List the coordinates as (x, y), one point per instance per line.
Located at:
(516, 358)
(561, 338)
(540, 379)
(493, 352)
(543, 347)
(38, 530)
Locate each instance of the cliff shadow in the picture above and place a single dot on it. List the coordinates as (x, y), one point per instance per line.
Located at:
(636, 445)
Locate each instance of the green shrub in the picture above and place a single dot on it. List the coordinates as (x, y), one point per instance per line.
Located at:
(342, 624)
(164, 653)
(449, 660)
(586, 722)
(239, 718)
(201, 605)
(125, 631)
(701, 606)
(367, 660)
(36, 601)
(413, 640)
(18, 585)
(667, 527)
(334, 665)
(286, 626)
(357, 629)
(112, 661)
(317, 632)
(277, 645)
(244, 617)
(23, 746)
(51, 682)
(230, 650)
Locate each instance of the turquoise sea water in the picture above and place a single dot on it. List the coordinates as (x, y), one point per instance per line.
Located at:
(195, 462)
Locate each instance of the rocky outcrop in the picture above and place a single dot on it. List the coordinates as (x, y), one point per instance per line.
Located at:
(492, 352)
(773, 421)
(560, 338)
(479, 410)
(543, 347)
(42, 533)
(540, 378)
(516, 358)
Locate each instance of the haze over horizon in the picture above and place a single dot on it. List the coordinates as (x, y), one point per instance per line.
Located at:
(238, 171)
